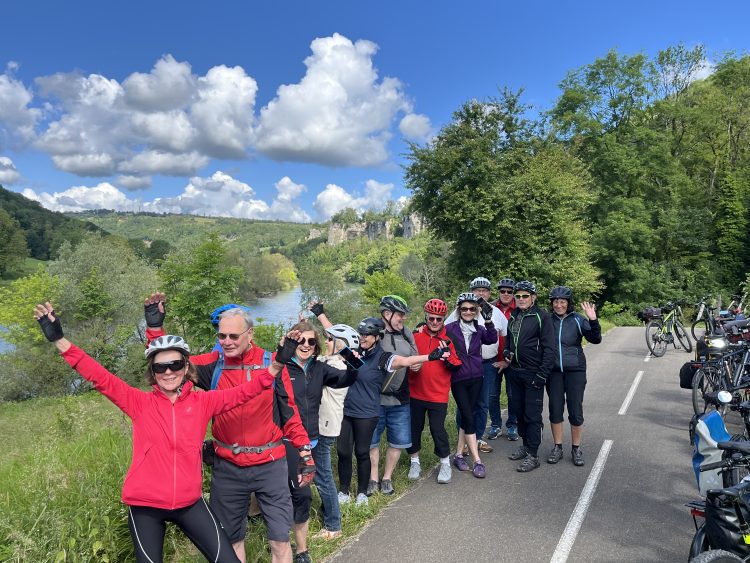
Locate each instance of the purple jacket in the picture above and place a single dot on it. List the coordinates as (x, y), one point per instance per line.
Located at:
(471, 366)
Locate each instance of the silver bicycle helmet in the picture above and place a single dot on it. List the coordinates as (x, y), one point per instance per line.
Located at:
(345, 333)
(167, 342)
(467, 296)
(480, 282)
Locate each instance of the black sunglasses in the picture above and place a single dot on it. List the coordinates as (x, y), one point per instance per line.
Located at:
(231, 336)
(310, 341)
(174, 366)
(506, 291)
(467, 309)
(435, 319)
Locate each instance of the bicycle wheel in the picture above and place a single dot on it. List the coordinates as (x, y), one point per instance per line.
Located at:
(655, 341)
(706, 380)
(699, 328)
(682, 336)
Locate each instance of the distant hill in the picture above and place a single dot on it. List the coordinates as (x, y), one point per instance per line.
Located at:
(176, 229)
(44, 230)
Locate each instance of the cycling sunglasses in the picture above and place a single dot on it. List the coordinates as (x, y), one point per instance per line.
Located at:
(174, 366)
(467, 309)
(310, 342)
(522, 295)
(231, 336)
(506, 291)
(435, 319)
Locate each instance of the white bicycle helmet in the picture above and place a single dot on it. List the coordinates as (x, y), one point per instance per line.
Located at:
(480, 282)
(467, 296)
(345, 333)
(167, 342)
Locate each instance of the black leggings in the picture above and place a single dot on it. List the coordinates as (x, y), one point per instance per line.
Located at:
(466, 394)
(147, 526)
(436, 413)
(301, 496)
(566, 387)
(356, 434)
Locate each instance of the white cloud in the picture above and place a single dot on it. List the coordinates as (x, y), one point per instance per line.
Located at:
(8, 172)
(335, 198)
(161, 162)
(415, 127)
(169, 85)
(339, 114)
(101, 164)
(283, 207)
(81, 198)
(705, 69)
(133, 183)
(17, 119)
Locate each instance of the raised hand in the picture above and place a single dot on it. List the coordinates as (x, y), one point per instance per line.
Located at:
(154, 310)
(589, 309)
(49, 322)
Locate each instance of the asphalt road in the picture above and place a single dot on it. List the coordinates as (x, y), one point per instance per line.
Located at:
(633, 512)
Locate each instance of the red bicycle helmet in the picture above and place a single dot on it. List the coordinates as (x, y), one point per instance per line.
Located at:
(436, 307)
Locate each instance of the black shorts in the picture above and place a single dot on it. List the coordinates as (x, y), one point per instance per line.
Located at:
(231, 486)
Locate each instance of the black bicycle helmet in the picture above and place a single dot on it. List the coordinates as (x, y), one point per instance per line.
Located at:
(480, 282)
(506, 282)
(371, 326)
(525, 285)
(394, 303)
(561, 292)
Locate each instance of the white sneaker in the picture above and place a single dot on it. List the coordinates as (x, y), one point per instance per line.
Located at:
(445, 473)
(344, 498)
(362, 500)
(415, 470)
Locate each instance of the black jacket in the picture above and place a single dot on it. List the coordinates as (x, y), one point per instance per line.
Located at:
(308, 388)
(531, 339)
(569, 332)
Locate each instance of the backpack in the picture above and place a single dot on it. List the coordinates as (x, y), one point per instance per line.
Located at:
(219, 368)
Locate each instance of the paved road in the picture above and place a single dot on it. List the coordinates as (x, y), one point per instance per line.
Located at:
(635, 513)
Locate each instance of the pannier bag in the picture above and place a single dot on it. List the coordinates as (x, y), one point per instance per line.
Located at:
(722, 524)
(687, 373)
(709, 430)
(649, 313)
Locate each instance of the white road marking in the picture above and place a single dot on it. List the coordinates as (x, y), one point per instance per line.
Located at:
(647, 358)
(570, 533)
(631, 393)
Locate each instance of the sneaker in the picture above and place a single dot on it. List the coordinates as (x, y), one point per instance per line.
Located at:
(512, 433)
(577, 455)
(372, 488)
(415, 470)
(324, 534)
(460, 463)
(494, 433)
(520, 453)
(465, 451)
(303, 557)
(386, 487)
(344, 498)
(479, 471)
(445, 473)
(529, 463)
(556, 454)
(484, 447)
(362, 500)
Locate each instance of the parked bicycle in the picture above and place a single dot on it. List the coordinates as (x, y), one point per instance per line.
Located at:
(663, 330)
(705, 321)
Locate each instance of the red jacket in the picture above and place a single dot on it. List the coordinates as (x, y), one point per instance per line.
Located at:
(433, 382)
(165, 470)
(263, 420)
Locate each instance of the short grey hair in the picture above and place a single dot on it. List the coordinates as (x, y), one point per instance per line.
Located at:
(237, 312)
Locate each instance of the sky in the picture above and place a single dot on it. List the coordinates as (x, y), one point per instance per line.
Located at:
(285, 110)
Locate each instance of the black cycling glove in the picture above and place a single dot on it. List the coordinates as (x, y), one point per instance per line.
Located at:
(538, 381)
(317, 309)
(486, 309)
(52, 330)
(285, 353)
(437, 353)
(154, 317)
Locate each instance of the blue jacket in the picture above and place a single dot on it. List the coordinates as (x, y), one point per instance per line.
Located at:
(471, 359)
(569, 331)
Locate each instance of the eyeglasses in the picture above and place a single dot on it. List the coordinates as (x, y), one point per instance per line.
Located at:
(522, 296)
(174, 366)
(468, 309)
(310, 341)
(506, 291)
(233, 337)
(435, 319)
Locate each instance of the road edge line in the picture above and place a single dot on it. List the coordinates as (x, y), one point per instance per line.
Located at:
(568, 537)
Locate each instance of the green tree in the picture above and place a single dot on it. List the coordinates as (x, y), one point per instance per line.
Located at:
(386, 283)
(13, 248)
(346, 217)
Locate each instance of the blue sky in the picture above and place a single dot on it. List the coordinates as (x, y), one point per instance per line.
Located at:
(284, 110)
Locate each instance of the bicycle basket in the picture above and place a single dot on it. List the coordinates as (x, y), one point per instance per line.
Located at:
(722, 524)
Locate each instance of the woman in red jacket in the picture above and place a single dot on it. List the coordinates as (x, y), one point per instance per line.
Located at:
(164, 480)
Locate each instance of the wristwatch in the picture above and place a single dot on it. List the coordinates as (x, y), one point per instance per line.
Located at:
(305, 448)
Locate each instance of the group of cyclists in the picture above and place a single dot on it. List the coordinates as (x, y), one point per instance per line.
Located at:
(277, 416)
